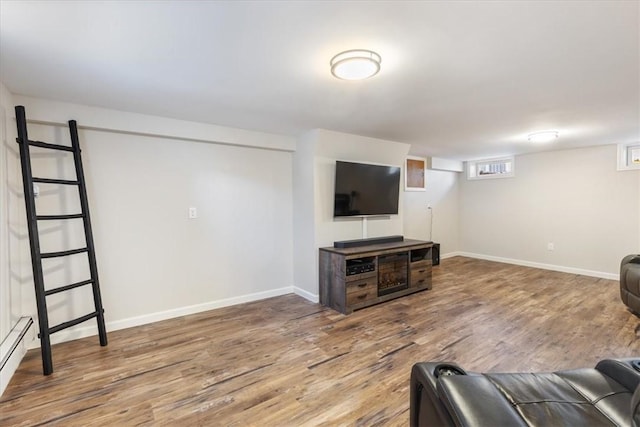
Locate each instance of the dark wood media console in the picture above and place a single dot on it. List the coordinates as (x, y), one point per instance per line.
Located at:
(355, 278)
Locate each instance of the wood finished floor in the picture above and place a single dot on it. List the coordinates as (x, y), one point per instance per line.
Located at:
(285, 361)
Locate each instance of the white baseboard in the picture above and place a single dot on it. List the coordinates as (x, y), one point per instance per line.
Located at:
(87, 331)
(563, 269)
(450, 255)
(306, 294)
(83, 332)
(13, 349)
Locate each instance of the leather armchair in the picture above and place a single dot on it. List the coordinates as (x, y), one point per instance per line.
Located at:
(607, 395)
(630, 282)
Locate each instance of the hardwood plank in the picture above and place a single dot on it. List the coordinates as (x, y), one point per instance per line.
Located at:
(286, 361)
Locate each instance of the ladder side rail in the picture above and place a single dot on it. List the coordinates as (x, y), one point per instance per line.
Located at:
(32, 225)
(84, 203)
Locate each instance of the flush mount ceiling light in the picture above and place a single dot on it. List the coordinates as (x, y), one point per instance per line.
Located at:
(543, 136)
(357, 64)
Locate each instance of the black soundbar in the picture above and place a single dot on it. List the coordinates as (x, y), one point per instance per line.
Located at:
(344, 244)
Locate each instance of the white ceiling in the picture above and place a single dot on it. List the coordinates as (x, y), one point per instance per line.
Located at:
(459, 79)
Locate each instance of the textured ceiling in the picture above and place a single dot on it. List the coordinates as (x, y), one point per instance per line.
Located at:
(459, 79)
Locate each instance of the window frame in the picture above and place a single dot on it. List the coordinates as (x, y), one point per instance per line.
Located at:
(624, 156)
(473, 165)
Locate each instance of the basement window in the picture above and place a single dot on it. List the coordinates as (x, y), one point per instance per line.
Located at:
(491, 168)
(629, 156)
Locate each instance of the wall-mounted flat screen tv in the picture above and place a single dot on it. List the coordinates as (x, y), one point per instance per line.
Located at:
(363, 189)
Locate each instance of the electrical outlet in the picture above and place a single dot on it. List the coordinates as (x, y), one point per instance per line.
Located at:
(550, 246)
(193, 213)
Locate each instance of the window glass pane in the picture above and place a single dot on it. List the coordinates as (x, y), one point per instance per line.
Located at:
(634, 155)
(492, 168)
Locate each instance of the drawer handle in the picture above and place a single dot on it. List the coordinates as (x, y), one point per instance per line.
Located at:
(362, 296)
(421, 280)
(362, 285)
(422, 271)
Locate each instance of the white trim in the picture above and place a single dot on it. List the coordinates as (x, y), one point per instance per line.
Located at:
(440, 164)
(306, 294)
(87, 331)
(450, 255)
(563, 269)
(13, 348)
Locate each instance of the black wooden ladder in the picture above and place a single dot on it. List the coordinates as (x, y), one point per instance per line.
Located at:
(36, 255)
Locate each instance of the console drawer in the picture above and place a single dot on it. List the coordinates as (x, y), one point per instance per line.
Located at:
(362, 290)
(363, 285)
(421, 276)
(360, 297)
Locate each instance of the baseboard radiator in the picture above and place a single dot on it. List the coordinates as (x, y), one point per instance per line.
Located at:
(13, 348)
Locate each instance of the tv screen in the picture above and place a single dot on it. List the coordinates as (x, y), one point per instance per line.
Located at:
(363, 189)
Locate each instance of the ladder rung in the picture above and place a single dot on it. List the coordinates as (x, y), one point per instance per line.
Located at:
(63, 253)
(50, 146)
(49, 217)
(73, 322)
(67, 287)
(55, 181)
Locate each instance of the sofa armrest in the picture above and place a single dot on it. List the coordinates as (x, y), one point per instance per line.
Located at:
(633, 259)
(476, 401)
(425, 406)
(635, 408)
(622, 371)
(630, 282)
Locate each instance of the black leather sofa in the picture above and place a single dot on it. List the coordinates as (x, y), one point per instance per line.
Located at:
(607, 395)
(630, 282)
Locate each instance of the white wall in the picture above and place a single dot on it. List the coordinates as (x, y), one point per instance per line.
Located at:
(16, 286)
(6, 312)
(15, 266)
(575, 199)
(304, 248)
(442, 194)
(332, 146)
(314, 175)
(153, 261)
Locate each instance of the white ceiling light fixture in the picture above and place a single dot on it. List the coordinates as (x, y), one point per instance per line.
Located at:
(543, 136)
(356, 64)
